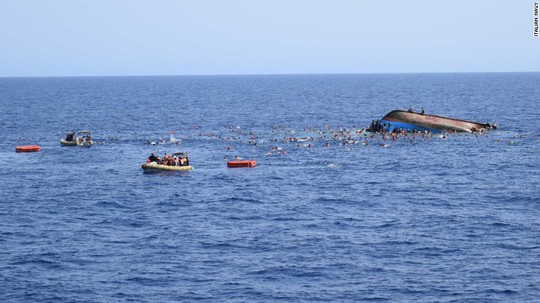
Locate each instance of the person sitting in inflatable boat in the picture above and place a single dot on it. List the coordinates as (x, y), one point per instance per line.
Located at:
(178, 159)
(152, 158)
(70, 136)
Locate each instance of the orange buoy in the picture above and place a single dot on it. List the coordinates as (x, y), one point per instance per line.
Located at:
(241, 163)
(27, 148)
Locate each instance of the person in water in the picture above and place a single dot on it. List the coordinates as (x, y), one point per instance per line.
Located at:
(422, 111)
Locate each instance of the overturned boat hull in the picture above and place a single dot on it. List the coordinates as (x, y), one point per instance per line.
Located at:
(399, 119)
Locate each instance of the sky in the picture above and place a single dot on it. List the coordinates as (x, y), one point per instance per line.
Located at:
(203, 37)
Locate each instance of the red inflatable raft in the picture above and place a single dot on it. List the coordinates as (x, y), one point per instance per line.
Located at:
(241, 163)
(27, 148)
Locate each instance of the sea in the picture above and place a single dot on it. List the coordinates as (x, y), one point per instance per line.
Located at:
(329, 214)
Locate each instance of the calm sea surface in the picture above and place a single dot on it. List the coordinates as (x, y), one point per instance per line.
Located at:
(442, 220)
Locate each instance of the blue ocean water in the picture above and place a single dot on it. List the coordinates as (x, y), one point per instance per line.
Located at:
(439, 220)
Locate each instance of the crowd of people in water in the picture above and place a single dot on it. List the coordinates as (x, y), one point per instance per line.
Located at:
(279, 140)
(174, 160)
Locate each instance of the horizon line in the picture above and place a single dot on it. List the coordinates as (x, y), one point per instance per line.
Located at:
(271, 74)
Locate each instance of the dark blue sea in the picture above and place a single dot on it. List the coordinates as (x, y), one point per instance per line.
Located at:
(319, 219)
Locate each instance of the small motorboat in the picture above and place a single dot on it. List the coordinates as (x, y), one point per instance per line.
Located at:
(81, 138)
(177, 162)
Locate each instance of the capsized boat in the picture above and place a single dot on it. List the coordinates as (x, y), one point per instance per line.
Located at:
(178, 162)
(407, 120)
(81, 138)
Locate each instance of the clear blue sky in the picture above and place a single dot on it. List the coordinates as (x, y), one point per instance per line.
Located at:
(162, 37)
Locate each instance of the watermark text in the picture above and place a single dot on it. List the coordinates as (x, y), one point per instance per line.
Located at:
(535, 22)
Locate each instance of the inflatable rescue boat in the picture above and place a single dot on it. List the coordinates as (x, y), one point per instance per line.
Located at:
(154, 167)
